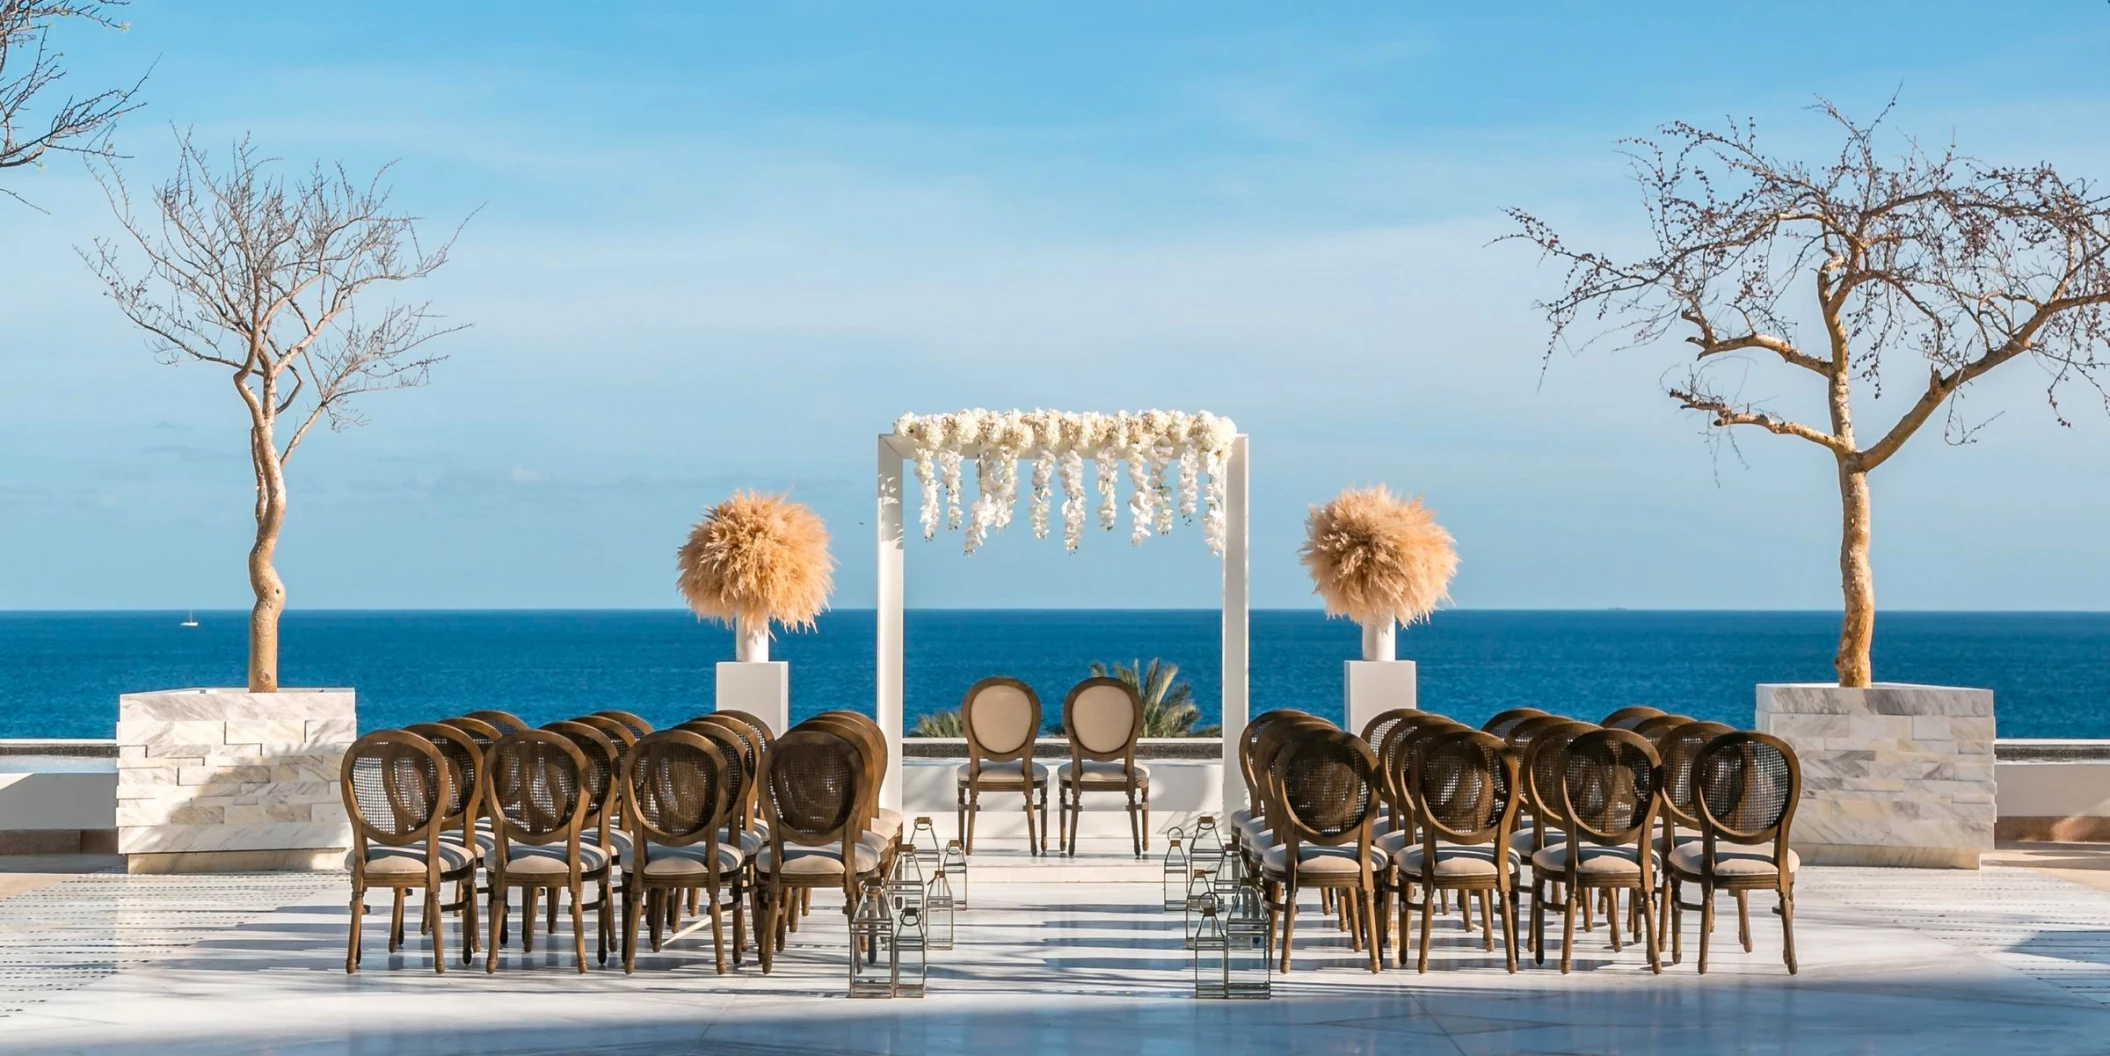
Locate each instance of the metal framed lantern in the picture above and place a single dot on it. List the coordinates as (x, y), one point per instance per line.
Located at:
(1206, 845)
(1248, 970)
(1176, 873)
(954, 866)
(904, 885)
(924, 838)
(1201, 895)
(872, 943)
(1211, 952)
(937, 912)
(908, 956)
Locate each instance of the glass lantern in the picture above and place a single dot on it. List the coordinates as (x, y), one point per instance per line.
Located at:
(954, 866)
(904, 885)
(937, 912)
(909, 963)
(1211, 978)
(1176, 873)
(1201, 895)
(924, 838)
(871, 944)
(1248, 970)
(1206, 845)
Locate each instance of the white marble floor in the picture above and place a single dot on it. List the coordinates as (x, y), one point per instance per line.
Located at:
(2005, 960)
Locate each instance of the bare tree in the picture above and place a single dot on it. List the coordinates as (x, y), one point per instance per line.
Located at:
(267, 278)
(1960, 265)
(29, 66)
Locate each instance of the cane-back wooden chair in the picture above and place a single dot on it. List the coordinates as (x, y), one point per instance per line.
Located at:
(676, 784)
(1745, 786)
(396, 792)
(483, 733)
(465, 824)
(812, 786)
(1261, 833)
(1249, 817)
(1679, 748)
(536, 788)
(1324, 799)
(1609, 794)
(871, 741)
(1465, 788)
(1103, 719)
(1001, 717)
(638, 727)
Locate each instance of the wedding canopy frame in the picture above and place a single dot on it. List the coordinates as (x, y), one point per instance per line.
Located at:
(895, 452)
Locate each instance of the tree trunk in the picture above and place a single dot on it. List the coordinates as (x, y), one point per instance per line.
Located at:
(263, 577)
(1857, 629)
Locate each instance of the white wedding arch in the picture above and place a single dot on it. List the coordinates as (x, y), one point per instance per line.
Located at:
(1179, 466)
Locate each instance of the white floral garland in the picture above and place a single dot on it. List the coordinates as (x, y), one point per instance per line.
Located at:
(1147, 446)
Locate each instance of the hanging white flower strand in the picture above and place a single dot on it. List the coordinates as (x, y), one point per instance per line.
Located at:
(1146, 445)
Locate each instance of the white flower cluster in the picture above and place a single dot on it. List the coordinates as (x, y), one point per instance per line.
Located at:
(1148, 445)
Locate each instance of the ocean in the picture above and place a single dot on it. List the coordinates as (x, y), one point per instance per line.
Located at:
(61, 673)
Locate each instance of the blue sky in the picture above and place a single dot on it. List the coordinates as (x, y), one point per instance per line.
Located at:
(721, 248)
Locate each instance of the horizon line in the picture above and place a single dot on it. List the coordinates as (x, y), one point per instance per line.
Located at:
(497, 610)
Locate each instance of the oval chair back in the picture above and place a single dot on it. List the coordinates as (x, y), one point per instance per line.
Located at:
(740, 769)
(535, 788)
(1103, 719)
(1679, 748)
(1655, 726)
(1465, 782)
(1540, 776)
(1001, 717)
(1269, 748)
(1396, 780)
(1505, 721)
(1611, 788)
(871, 753)
(1247, 741)
(812, 788)
(504, 722)
(1629, 717)
(483, 733)
(600, 778)
(465, 770)
(396, 791)
(1380, 727)
(622, 736)
(638, 727)
(1325, 783)
(754, 724)
(1746, 785)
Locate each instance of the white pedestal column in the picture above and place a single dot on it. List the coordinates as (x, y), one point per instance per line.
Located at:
(1373, 687)
(1235, 622)
(886, 705)
(760, 689)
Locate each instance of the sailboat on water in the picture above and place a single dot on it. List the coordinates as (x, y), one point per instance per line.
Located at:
(189, 620)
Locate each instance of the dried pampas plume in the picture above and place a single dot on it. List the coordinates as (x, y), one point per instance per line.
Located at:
(756, 558)
(1374, 556)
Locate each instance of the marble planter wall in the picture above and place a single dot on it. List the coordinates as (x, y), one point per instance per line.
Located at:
(1892, 774)
(213, 780)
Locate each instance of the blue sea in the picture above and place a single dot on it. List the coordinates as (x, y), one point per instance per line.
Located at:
(60, 673)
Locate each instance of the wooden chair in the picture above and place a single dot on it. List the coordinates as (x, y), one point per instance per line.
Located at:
(1464, 786)
(871, 741)
(1248, 817)
(1679, 748)
(1260, 834)
(483, 733)
(1629, 717)
(1746, 786)
(1324, 799)
(396, 792)
(536, 785)
(464, 826)
(675, 782)
(1103, 719)
(1001, 717)
(812, 785)
(1611, 783)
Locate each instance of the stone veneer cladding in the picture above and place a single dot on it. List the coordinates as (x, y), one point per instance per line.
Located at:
(225, 770)
(1891, 775)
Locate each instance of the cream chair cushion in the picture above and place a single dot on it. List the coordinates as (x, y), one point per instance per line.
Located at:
(397, 862)
(1732, 860)
(691, 860)
(1606, 863)
(1316, 862)
(1452, 860)
(1106, 773)
(1001, 775)
(547, 859)
(816, 862)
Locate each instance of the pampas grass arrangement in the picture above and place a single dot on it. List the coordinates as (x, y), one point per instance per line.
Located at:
(754, 559)
(1377, 558)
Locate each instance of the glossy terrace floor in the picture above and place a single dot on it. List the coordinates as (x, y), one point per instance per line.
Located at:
(2014, 958)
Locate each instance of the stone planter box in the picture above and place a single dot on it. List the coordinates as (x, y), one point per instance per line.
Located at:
(1892, 775)
(223, 780)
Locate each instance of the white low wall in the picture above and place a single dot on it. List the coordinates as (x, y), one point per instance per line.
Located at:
(77, 801)
(1180, 791)
(2054, 790)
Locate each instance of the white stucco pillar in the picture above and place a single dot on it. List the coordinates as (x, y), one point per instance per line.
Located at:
(1236, 628)
(887, 605)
